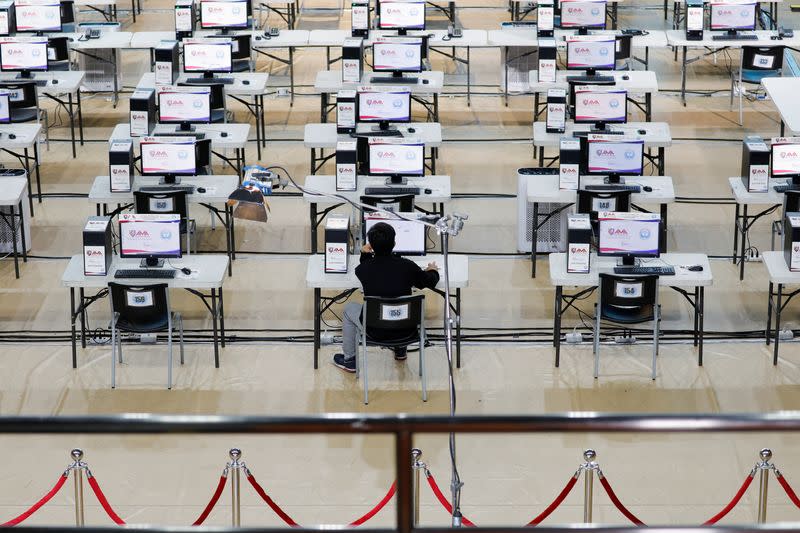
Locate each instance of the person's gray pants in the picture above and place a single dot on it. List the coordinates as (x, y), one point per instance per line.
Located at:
(351, 327)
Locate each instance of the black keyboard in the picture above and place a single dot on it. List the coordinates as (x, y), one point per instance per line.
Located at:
(612, 187)
(40, 83)
(644, 271)
(395, 81)
(591, 80)
(580, 134)
(207, 81)
(736, 37)
(387, 133)
(199, 136)
(145, 273)
(188, 189)
(390, 191)
(538, 171)
(786, 187)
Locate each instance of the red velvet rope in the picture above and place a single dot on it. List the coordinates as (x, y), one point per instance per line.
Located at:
(35, 507)
(446, 504)
(789, 491)
(377, 508)
(717, 517)
(104, 502)
(558, 501)
(212, 503)
(274, 506)
(618, 504)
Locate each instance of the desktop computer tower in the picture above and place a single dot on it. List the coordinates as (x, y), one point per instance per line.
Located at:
(97, 251)
(545, 18)
(7, 19)
(547, 60)
(569, 164)
(337, 232)
(143, 112)
(352, 60)
(579, 243)
(346, 163)
(556, 110)
(359, 18)
(6, 242)
(694, 20)
(167, 67)
(346, 112)
(120, 165)
(552, 236)
(755, 164)
(184, 18)
(791, 240)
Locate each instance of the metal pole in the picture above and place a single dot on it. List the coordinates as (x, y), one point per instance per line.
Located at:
(588, 481)
(763, 481)
(417, 466)
(77, 472)
(235, 466)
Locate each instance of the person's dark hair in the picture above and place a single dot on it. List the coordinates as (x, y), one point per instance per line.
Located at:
(381, 238)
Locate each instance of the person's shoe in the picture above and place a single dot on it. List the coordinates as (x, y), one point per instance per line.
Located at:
(400, 354)
(341, 362)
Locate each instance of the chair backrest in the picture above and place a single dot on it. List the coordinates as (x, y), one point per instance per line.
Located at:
(628, 291)
(172, 202)
(396, 204)
(405, 312)
(217, 93)
(791, 201)
(591, 202)
(762, 57)
(67, 12)
(57, 48)
(623, 47)
(23, 94)
(136, 304)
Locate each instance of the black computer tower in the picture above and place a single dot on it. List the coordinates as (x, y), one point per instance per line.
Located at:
(120, 165)
(569, 164)
(547, 60)
(545, 20)
(352, 60)
(556, 120)
(337, 232)
(167, 67)
(184, 19)
(359, 18)
(346, 111)
(8, 23)
(97, 251)
(579, 243)
(755, 164)
(695, 17)
(346, 163)
(143, 112)
(791, 240)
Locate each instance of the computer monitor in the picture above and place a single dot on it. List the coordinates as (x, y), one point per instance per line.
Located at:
(5, 107)
(409, 235)
(184, 106)
(611, 155)
(397, 55)
(628, 235)
(591, 53)
(384, 106)
(733, 16)
(785, 159)
(583, 15)
(168, 157)
(600, 106)
(401, 15)
(207, 56)
(38, 16)
(23, 56)
(223, 15)
(152, 237)
(395, 158)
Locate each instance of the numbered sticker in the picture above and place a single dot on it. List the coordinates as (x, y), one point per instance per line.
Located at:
(140, 299)
(161, 205)
(628, 290)
(394, 312)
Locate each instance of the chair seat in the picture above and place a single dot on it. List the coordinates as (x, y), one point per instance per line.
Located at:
(145, 327)
(241, 65)
(60, 66)
(217, 116)
(756, 76)
(390, 340)
(627, 315)
(27, 114)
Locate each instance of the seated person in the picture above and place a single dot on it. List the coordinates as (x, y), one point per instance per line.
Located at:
(385, 275)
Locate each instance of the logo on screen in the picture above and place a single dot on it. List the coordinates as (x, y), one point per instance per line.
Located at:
(198, 53)
(220, 54)
(411, 156)
(605, 152)
(644, 233)
(174, 101)
(630, 154)
(385, 52)
(582, 50)
(603, 51)
(166, 235)
(618, 232)
(413, 11)
(335, 250)
(197, 104)
(575, 10)
(49, 15)
(385, 155)
(374, 101)
(595, 11)
(590, 101)
(183, 154)
(397, 104)
(157, 154)
(139, 234)
(409, 53)
(613, 104)
(784, 155)
(236, 10)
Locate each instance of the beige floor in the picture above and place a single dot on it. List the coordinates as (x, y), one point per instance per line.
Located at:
(319, 479)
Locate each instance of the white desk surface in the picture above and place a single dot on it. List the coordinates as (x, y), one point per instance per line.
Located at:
(330, 81)
(218, 188)
(237, 133)
(778, 270)
(783, 93)
(316, 278)
(257, 82)
(653, 39)
(683, 278)
(325, 136)
(470, 38)
(109, 39)
(743, 197)
(513, 37)
(84, 3)
(527, 37)
(13, 190)
(151, 39)
(759, 1)
(208, 272)
(657, 133)
(678, 38)
(69, 81)
(26, 135)
(439, 186)
(545, 189)
(639, 81)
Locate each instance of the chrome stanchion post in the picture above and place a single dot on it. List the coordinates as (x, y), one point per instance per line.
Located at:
(417, 466)
(77, 467)
(763, 467)
(588, 483)
(235, 467)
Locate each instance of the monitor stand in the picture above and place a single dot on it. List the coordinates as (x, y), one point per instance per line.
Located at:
(591, 71)
(614, 179)
(628, 260)
(169, 179)
(151, 262)
(599, 127)
(583, 30)
(396, 180)
(185, 126)
(24, 75)
(383, 125)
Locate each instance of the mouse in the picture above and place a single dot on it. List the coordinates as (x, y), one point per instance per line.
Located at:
(647, 188)
(187, 271)
(245, 82)
(54, 82)
(426, 81)
(201, 190)
(428, 191)
(12, 136)
(642, 132)
(258, 37)
(223, 134)
(411, 130)
(695, 268)
(626, 77)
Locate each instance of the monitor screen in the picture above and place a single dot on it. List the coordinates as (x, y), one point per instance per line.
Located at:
(5, 109)
(628, 234)
(223, 14)
(395, 15)
(591, 53)
(392, 106)
(617, 156)
(594, 104)
(207, 56)
(785, 160)
(733, 15)
(38, 16)
(163, 156)
(23, 55)
(396, 158)
(583, 13)
(409, 236)
(152, 235)
(397, 55)
(184, 106)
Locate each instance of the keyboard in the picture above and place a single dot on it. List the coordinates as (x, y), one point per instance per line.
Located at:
(612, 187)
(591, 80)
(644, 271)
(145, 273)
(736, 37)
(40, 83)
(390, 191)
(206, 81)
(387, 133)
(786, 187)
(539, 171)
(188, 189)
(395, 81)
(197, 135)
(580, 134)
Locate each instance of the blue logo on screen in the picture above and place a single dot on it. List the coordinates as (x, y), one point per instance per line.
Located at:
(197, 104)
(166, 235)
(397, 104)
(220, 54)
(183, 154)
(644, 234)
(603, 51)
(614, 104)
(411, 155)
(744, 13)
(236, 10)
(629, 154)
(409, 53)
(36, 52)
(413, 11)
(595, 11)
